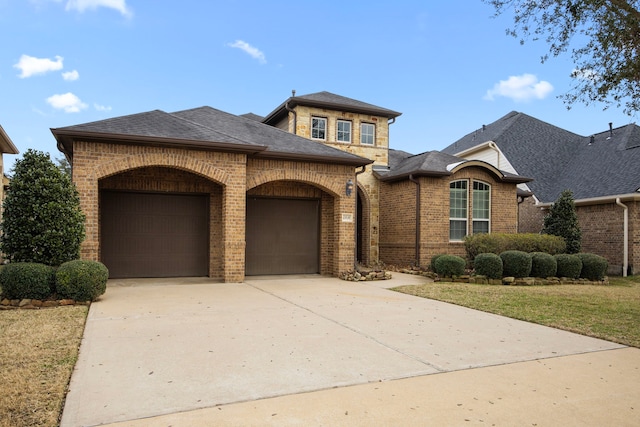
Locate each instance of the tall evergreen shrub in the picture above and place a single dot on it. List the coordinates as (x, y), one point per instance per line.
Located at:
(562, 221)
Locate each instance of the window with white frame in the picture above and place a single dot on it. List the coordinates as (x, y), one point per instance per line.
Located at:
(367, 133)
(458, 202)
(343, 131)
(318, 128)
(458, 209)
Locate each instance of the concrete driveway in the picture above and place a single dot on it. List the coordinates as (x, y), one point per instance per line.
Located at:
(297, 351)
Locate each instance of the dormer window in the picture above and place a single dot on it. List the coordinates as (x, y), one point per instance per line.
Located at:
(367, 133)
(319, 128)
(343, 131)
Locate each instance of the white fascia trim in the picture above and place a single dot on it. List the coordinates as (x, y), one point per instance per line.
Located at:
(630, 197)
(475, 148)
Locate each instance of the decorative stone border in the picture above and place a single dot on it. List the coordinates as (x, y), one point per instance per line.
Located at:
(35, 304)
(363, 276)
(508, 281)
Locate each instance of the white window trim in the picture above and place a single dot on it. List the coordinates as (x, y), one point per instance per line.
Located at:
(466, 220)
(326, 128)
(487, 220)
(373, 142)
(350, 131)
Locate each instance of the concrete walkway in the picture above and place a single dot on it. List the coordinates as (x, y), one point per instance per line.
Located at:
(320, 351)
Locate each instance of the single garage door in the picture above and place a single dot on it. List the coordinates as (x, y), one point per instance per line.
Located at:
(154, 235)
(282, 236)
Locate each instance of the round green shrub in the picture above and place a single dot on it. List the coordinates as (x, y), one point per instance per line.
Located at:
(488, 265)
(543, 265)
(516, 264)
(27, 280)
(81, 280)
(449, 265)
(432, 263)
(569, 265)
(594, 267)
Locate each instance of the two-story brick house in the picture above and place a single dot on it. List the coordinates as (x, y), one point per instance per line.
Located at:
(310, 188)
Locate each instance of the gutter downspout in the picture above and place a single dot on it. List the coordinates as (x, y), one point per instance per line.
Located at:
(415, 181)
(625, 255)
(355, 219)
(295, 117)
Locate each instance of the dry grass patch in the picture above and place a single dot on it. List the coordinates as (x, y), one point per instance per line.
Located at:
(610, 312)
(38, 349)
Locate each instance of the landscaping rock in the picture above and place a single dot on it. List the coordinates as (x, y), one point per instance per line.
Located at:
(508, 280)
(5, 302)
(67, 302)
(26, 301)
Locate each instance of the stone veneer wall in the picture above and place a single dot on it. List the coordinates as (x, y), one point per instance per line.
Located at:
(398, 232)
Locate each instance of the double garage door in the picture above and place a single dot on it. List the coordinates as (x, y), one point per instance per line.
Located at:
(167, 235)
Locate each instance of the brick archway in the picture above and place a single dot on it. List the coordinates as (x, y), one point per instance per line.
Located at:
(325, 183)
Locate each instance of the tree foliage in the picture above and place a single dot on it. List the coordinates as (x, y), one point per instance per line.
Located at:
(42, 220)
(603, 37)
(562, 220)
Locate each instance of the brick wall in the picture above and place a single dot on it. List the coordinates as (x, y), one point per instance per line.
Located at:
(398, 232)
(530, 216)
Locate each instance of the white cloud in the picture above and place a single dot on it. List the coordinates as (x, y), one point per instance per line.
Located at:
(31, 66)
(71, 75)
(67, 102)
(99, 107)
(253, 51)
(82, 5)
(520, 88)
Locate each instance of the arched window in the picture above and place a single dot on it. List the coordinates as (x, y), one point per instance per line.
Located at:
(459, 209)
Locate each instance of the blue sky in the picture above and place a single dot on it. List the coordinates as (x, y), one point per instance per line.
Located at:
(447, 66)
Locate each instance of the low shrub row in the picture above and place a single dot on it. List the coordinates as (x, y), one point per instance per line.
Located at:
(78, 280)
(513, 263)
(497, 243)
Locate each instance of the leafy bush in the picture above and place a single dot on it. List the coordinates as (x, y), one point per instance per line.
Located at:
(516, 263)
(543, 265)
(594, 267)
(432, 263)
(496, 243)
(488, 265)
(449, 265)
(42, 220)
(27, 280)
(82, 280)
(562, 220)
(569, 265)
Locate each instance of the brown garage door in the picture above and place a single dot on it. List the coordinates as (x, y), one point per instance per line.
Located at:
(282, 236)
(154, 235)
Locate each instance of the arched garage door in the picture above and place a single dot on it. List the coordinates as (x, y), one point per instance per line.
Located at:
(154, 235)
(283, 236)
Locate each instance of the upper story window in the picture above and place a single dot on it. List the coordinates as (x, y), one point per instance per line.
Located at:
(318, 128)
(459, 209)
(343, 131)
(458, 202)
(481, 207)
(367, 133)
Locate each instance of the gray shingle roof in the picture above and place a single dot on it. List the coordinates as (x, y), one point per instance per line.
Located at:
(430, 163)
(558, 159)
(204, 128)
(329, 101)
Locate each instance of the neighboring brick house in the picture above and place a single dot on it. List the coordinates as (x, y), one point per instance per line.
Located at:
(601, 170)
(311, 188)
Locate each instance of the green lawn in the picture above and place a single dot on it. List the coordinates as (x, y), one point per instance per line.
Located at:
(610, 312)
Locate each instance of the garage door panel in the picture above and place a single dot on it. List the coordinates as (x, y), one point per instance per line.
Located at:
(282, 236)
(154, 235)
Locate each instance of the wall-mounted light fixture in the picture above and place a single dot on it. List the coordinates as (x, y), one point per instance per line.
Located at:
(349, 188)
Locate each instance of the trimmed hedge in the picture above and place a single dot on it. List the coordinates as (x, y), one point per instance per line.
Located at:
(516, 264)
(82, 280)
(594, 267)
(568, 265)
(488, 265)
(449, 265)
(543, 265)
(432, 263)
(22, 280)
(497, 243)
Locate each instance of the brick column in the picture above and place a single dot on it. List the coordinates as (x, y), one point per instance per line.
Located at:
(345, 244)
(233, 228)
